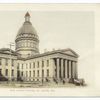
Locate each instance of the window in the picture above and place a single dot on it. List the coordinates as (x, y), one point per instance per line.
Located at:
(34, 65)
(38, 73)
(48, 72)
(18, 73)
(22, 74)
(47, 63)
(6, 72)
(12, 73)
(30, 73)
(0, 61)
(25, 43)
(6, 62)
(42, 73)
(34, 73)
(42, 63)
(22, 66)
(55, 72)
(26, 74)
(0, 72)
(30, 65)
(12, 62)
(26, 66)
(38, 64)
(18, 66)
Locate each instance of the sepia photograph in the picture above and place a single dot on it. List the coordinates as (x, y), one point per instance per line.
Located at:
(48, 50)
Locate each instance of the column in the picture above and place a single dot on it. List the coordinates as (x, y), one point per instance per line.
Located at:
(10, 70)
(66, 74)
(3, 67)
(69, 69)
(31, 71)
(15, 70)
(73, 71)
(62, 65)
(52, 68)
(40, 68)
(76, 74)
(57, 68)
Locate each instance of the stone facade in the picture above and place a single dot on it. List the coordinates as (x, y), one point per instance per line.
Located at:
(27, 64)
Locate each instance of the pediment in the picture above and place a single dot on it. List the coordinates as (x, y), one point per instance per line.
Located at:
(70, 52)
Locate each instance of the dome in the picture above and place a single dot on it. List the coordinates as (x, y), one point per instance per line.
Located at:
(27, 39)
(27, 28)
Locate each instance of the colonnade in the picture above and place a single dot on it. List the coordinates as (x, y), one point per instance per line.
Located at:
(65, 68)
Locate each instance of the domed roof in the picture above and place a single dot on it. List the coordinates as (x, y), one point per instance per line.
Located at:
(27, 27)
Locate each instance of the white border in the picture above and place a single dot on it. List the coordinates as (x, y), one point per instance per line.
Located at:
(49, 1)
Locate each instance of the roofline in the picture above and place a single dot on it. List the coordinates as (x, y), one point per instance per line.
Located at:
(46, 54)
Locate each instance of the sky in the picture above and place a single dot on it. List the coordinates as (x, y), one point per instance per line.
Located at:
(56, 30)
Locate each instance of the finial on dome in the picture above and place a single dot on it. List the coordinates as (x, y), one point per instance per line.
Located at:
(27, 16)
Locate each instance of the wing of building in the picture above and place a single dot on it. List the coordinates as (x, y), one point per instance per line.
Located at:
(27, 64)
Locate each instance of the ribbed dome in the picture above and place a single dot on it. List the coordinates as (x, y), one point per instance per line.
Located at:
(27, 28)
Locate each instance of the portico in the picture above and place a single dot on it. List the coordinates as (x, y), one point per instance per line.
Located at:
(65, 69)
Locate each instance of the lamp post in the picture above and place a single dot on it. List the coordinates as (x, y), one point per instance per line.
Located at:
(10, 45)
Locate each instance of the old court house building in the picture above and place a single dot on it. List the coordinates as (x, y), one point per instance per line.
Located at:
(27, 64)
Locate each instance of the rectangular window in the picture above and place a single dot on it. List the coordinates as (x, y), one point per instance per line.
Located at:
(22, 66)
(47, 63)
(22, 73)
(42, 63)
(30, 65)
(0, 61)
(30, 73)
(48, 72)
(26, 66)
(6, 62)
(18, 73)
(42, 73)
(12, 62)
(26, 74)
(56, 72)
(18, 66)
(34, 73)
(6, 72)
(38, 73)
(34, 65)
(12, 73)
(38, 64)
(0, 72)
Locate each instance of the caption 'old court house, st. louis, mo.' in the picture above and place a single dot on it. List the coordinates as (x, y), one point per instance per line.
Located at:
(28, 65)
